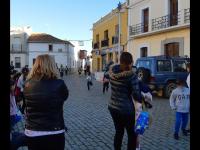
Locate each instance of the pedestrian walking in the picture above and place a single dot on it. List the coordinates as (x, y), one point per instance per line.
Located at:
(180, 102)
(20, 84)
(106, 81)
(89, 80)
(45, 95)
(124, 86)
(66, 70)
(79, 70)
(61, 71)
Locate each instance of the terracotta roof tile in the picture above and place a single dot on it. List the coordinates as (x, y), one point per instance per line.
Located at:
(45, 38)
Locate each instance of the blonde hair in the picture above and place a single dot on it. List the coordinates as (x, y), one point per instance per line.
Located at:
(44, 67)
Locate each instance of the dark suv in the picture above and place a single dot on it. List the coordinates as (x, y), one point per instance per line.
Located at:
(161, 72)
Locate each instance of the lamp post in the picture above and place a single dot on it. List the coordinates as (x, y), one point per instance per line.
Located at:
(119, 34)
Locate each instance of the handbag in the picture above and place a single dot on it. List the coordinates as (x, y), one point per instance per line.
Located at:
(142, 123)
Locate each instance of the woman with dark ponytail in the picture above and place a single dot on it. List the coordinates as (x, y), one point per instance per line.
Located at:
(125, 88)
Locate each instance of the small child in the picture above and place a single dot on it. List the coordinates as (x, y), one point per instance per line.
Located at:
(180, 101)
(106, 80)
(147, 99)
(89, 81)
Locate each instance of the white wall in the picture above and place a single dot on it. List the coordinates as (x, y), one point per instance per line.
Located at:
(23, 59)
(36, 49)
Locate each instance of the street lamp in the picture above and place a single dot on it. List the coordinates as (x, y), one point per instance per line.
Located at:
(119, 22)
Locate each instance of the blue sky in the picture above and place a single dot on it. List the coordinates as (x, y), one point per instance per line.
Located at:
(65, 19)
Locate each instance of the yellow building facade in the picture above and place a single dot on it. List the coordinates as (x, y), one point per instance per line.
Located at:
(159, 28)
(105, 38)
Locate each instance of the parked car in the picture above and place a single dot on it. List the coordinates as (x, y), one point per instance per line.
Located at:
(161, 72)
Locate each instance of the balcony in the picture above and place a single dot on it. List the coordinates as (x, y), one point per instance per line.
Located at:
(187, 15)
(104, 43)
(136, 29)
(115, 40)
(17, 48)
(96, 45)
(166, 21)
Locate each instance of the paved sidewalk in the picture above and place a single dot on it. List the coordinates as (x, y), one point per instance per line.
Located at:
(91, 127)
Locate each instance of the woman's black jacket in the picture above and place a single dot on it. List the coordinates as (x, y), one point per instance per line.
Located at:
(44, 104)
(124, 88)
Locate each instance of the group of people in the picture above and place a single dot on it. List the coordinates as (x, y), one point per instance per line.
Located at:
(44, 94)
(63, 70)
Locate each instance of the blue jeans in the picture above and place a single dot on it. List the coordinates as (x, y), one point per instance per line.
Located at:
(181, 118)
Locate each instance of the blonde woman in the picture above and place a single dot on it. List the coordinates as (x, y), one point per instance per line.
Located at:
(44, 95)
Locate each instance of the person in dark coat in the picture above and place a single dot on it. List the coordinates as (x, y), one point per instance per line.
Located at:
(124, 88)
(45, 94)
(106, 80)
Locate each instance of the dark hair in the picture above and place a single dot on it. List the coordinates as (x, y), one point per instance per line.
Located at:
(180, 81)
(125, 60)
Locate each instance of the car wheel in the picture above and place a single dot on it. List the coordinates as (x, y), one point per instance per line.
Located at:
(143, 74)
(169, 88)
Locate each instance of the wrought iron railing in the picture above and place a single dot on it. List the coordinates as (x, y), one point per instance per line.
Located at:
(166, 21)
(187, 15)
(96, 45)
(104, 43)
(136, 29)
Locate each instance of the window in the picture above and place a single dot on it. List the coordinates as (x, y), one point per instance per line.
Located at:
(17, 62)
(60, 50)
(143, 52)
(50, 47)
(146, 19)
(163, 65)
(144, 63)
(173, 12)
(97, 38)
(116, 30)
(179, 66)
(106, 35)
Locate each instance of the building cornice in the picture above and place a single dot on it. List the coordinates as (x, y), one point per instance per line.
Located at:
(169, 29)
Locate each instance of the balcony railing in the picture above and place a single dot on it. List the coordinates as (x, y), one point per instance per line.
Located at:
(17, 48)
(115, 40)
(104, 43)
(136, 29)
(187, 15)
(182, 17)
(166, 21)
(96, 45)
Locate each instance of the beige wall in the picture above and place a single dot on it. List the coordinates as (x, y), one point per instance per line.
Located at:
(153, 42)
(157, 8)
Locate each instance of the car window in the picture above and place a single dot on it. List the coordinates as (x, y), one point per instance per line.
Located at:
(163, 65)
(144, 63)
(180, 66)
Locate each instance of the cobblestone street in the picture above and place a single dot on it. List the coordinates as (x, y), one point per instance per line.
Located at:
(90, 126)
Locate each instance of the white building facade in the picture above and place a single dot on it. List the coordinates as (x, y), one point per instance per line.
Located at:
(60, 50)
(19, 47)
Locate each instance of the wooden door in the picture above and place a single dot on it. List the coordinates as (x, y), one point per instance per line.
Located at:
(173, 12)
(172, 49)
(146, 19)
